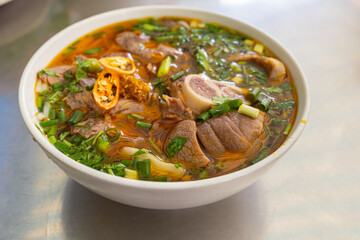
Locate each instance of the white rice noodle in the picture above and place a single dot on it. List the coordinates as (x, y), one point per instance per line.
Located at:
(40, 86)
(184, 24)
(46, 110)
(40, 116)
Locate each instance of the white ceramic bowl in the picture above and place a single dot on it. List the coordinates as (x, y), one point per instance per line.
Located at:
(156, 195)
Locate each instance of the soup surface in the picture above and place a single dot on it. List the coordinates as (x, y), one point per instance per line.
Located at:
(167, 99)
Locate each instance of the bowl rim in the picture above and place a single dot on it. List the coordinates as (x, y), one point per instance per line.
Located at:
(48, 147)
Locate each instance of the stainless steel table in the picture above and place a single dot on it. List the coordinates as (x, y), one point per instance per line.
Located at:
(313, 193)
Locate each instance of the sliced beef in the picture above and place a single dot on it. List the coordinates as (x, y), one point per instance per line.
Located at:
(60, 70)
(276, 69)
(191, 153)
(132, 42)
(228, 133)
(85, 98)
(209, 139)
(95, 125)
(170, 23)
(175, 108)
(127, 106)
(232, 131)
(250, 127)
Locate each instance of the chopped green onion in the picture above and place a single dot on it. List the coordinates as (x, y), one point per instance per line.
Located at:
(134, 116)
(177, 165)
(160, 179)
(217, 52)
(235, 67)
(235, 104)
(52, 139)
(267, 130)
(278, 121)
(154, 145)
(127, 163)
(52, 114)
(163, 38)
(204, 116)
(49, 123)
(264, 102)
(203, 174)
(52, 130)
(175, 145)
(76, 42)
(148, 27)
(273, 89)
(48, 72)
(98, 35)
(92, 51)
(116, 136)
(57, 87)
(89, 87)
(219, 109)
(62, 116)
(62, 147)
(176, 76)
(144, 168)
(68, 50)
(143, 124)
(287, 129)
(164, 67)
(102, 143)
(252, 96)
(220, 99)
(157, 81)
(76, 117)
(80, 125)
(140, 152)
(262, 155)
(136, 160)
(248, 111)
(39, 102)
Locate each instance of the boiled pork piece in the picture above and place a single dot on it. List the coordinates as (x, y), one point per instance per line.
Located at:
(191, 153)
(131, 42)
(251, 128)
(276, 69)
(231, 131)
(95, 125)
(174, 108)
(60, 70)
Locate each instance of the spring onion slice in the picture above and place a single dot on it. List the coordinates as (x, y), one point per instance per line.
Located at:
(117, 133)
(248, 111)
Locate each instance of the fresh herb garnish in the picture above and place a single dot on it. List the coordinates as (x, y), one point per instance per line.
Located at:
(48, 72)
(175, 146)
(140, 151)
(92, 51)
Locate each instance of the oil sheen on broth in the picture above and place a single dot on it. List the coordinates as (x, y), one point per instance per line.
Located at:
(169, 99)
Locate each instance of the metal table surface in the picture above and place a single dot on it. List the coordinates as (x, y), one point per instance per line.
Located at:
(313, 193)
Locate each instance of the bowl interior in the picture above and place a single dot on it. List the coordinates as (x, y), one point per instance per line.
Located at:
(58, 42)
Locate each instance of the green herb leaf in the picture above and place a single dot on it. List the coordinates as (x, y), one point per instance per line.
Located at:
(273, 89)
(287, 104)
(92, 51)
(98, 35)
(220, 99)
(177, 165)
(140, 151)
(48, 72)
(175, 146)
